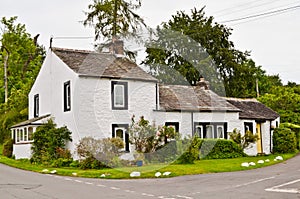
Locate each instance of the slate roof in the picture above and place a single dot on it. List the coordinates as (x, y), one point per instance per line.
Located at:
(253, 109)
(30, 121)
(106, 65)
(192, 98)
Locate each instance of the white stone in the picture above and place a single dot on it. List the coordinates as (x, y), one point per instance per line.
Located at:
(252, 164)
(103, 176)
(74, 174)
(275, 159)
(260, 162)
(135, 174)
(166, 173)
(53, 171)
(157, 174)
(45, 171)
(267, 160)
(279, 158)
(245, 164)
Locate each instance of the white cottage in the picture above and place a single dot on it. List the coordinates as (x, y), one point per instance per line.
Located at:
(96, 94)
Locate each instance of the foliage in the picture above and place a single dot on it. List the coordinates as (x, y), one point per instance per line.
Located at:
(8, 148)
(245, 140)
(220, 149)
(285, 100)
(112, 18)
(49, 143)
(189, 46)
(295, 128)
(147, 138)
(99, 153)
(25, 57)
(284, 141)
(192, 152)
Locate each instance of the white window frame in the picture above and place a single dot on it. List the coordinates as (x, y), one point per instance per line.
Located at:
(201, 133)
(222, 134)
(122, 96)
(212, 131)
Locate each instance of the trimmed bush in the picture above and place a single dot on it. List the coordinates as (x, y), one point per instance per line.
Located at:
(191, 148)
(220, 149)
(284, 141)
(8, 148)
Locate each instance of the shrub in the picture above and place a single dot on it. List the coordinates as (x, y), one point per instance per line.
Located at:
(190, 149)
(220, 149)
(245, 140)
(284, 141)
(8, 148)
(99, 153)
(49, 143)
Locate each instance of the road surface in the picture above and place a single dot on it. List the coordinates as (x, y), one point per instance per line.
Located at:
(277, 182)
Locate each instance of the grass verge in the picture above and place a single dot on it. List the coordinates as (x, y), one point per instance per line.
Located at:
(148, 171)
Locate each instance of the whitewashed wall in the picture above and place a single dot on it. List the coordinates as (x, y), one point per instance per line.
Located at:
(21, 151)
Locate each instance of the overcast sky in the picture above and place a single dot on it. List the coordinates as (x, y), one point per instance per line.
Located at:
(274, 41)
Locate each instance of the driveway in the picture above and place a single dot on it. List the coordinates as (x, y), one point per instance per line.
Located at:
(277, 181)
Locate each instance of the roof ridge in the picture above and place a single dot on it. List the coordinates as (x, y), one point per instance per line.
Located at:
(241, 99)
(79, 51)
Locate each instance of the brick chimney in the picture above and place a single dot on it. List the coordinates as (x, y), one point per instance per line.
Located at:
(116, 47)
(203, 84)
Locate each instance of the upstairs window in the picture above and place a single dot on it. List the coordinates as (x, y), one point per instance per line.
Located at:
(36, 105)
(119, 95)
(67, 96)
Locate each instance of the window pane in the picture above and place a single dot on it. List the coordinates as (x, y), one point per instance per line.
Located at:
(25, 134)
(199, 131)
(220, 132)
(30, 131)
(209, 131)
(119, 95)
(119, 133)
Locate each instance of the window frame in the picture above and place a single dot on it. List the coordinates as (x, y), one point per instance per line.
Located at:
(125, 95)
(67, 96)
(215, 126)
(36, 105)
(116, 127)
(248, 124)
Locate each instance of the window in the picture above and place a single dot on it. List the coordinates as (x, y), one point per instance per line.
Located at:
(120, 130)
(67, 96)
(209, 131)
(175, 125)
(199, 131)
(119, 95)
(215, 130)
(248, 126)
(36, 105)
(25, 135)
(30, 132)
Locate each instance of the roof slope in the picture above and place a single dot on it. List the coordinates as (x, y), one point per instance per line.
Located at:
(253, 109)
(192, 98)
(91, 63)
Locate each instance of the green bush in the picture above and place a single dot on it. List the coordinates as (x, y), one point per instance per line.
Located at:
(284, 141)
(191, 150)
(220, 149)
(8, 148)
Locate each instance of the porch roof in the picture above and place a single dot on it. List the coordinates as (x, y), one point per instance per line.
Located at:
(33, 121)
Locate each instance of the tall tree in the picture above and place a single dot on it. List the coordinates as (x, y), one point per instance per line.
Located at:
(24, 58)
(114, 18)
(193, 46)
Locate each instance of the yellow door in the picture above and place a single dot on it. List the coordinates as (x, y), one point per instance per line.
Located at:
(259, 141)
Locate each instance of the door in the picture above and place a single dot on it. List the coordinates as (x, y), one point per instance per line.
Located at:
(259, 140)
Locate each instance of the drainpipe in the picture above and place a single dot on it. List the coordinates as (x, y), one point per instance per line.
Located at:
(270, 136)
(192, 122)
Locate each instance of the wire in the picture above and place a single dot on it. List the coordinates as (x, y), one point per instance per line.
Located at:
(72, 37)
(262, 14)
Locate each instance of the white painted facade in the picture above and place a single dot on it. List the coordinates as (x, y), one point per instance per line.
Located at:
(91, 112)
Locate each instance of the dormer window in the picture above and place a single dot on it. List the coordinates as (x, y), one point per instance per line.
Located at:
(119, 95)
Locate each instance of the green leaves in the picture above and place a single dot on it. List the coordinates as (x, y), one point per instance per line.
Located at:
(112, 18)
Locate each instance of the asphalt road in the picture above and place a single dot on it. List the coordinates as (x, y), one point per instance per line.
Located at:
(277, 182)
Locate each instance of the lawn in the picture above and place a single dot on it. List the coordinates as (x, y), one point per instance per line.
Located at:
(148, 171)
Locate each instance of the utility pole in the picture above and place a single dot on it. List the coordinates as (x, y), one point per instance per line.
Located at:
(257, 89)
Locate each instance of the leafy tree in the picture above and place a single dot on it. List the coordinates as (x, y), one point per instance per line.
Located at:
(25, 57)
(114, 18)
(286, 101)
(193, 46)
(49, 143)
